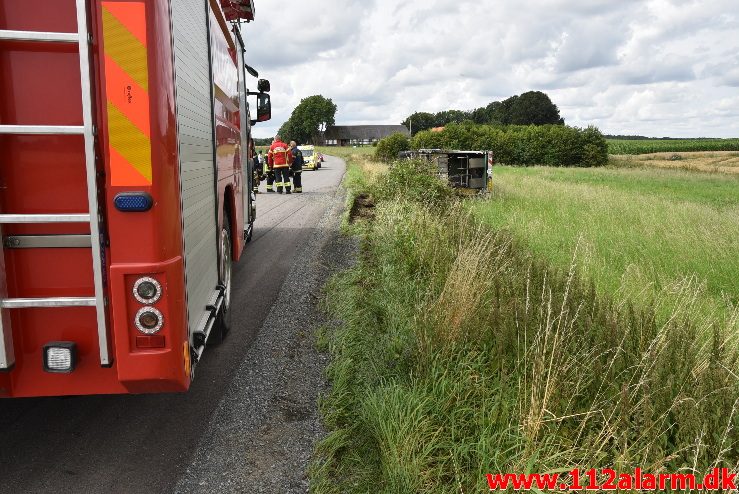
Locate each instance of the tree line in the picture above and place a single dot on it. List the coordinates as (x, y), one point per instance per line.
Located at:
(530, 108)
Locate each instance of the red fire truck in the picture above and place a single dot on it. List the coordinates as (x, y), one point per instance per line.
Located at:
(125, 170)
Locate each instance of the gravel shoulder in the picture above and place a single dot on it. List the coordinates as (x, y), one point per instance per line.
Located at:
(262, 435)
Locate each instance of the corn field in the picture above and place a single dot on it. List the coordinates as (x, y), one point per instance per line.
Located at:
(648, 146)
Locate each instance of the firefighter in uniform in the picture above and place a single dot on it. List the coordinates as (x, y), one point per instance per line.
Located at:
(280, 158)
(297, 168)
(268, 173)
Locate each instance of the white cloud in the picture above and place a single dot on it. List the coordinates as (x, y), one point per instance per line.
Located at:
(650, 67)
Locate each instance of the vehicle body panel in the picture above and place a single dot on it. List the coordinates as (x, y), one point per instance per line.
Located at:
(172, 110)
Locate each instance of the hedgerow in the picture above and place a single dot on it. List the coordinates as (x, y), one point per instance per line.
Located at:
(549, 145)
(389, 147)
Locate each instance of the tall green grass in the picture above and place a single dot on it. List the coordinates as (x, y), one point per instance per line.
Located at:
(459, 353)
(648, 146)
(639, 233)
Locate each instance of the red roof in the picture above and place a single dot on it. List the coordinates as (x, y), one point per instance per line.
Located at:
(238, 9)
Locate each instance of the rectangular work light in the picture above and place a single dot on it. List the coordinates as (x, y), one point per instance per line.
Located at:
(60, 357)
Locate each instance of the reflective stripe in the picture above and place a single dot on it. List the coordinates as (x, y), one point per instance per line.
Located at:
(121, 45)
(132, 145)
(126, 86)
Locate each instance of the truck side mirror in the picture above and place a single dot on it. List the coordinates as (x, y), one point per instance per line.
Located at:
(263, 86)
(251, 70)
(264, 107)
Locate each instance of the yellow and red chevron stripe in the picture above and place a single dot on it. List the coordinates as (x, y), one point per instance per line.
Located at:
(127, 89)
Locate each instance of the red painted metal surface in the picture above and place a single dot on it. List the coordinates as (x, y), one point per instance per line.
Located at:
(39, 84)
(229, 145)
(238, 9)
(150, 243)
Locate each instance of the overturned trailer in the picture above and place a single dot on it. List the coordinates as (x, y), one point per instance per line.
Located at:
(462, 169)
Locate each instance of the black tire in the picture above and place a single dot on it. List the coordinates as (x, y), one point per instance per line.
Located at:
(225, 271)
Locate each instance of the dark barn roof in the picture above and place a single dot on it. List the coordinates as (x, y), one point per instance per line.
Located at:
(363, 132)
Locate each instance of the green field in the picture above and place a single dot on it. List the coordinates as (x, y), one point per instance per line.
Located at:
(648, 146)
(469, 342)
(639, 232)
(347, 151)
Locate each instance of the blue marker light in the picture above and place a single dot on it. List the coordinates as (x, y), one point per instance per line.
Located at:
(133, 202)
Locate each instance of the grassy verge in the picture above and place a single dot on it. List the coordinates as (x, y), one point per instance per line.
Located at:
(460, 353)
(361, 171)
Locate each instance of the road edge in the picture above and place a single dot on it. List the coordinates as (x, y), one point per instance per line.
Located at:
(262, 435)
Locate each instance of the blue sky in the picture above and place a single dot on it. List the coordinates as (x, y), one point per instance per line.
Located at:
(648, 67)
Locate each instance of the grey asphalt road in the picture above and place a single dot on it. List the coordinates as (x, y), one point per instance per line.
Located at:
(147, 443)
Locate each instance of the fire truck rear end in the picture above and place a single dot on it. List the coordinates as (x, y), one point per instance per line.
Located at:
(125, 179)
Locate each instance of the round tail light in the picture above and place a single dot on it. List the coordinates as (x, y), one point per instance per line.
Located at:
(147, 290)
(149, 320)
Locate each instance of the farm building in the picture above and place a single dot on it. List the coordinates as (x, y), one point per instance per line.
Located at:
(360, 135)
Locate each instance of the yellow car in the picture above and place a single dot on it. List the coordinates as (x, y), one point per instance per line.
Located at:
(310, 156)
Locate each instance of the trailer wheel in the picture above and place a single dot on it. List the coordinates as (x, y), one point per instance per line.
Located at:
(225, 270)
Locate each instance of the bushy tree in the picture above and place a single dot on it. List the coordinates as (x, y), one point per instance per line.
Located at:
(530, 108)
(444, 118)
(533, 108)
(480, 115)
(505, 109)
(594, 147)
(388, 148)
(495, 113)
(419, 121)
(309, 120)
(290, 132)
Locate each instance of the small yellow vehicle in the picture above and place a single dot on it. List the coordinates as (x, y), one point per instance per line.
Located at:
(312, 161)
